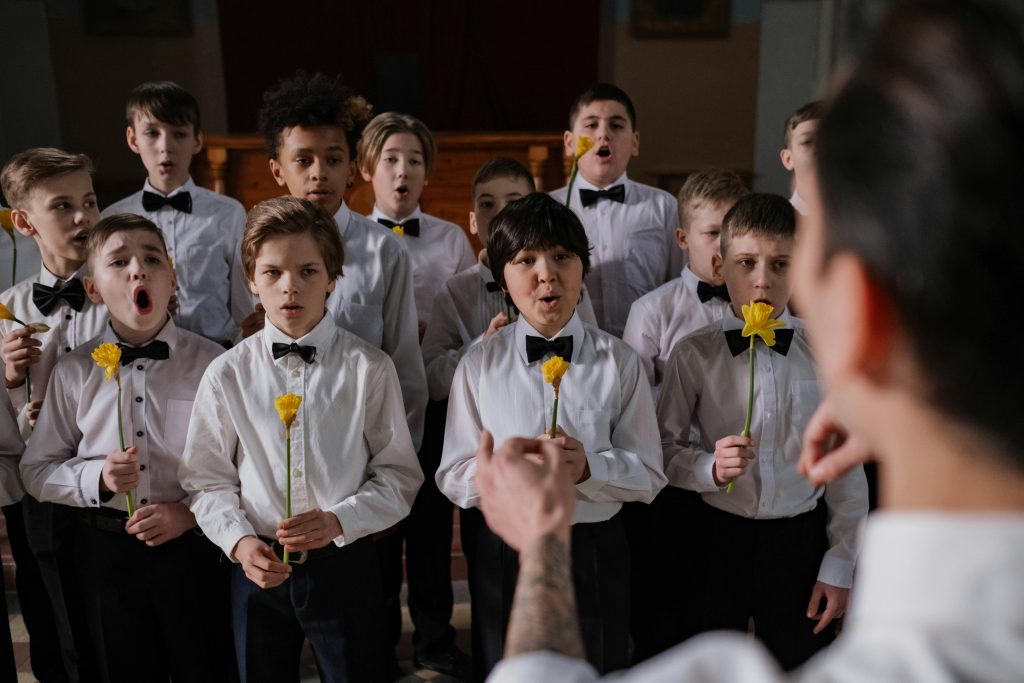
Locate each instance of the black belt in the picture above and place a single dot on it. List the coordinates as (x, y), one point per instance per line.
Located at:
(104, 519)
(303, 556)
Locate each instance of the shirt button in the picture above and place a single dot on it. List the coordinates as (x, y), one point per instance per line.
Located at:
(67, 349)
(138, 399)
(139, 367)
(297, 474)
(144, 501)
(67, 317)
(142, 468)
(138, 433)
(296, 373)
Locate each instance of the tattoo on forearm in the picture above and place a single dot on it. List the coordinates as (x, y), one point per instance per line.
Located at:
(544, 609)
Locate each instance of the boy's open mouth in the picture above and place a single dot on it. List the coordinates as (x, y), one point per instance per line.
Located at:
(291, 308)
(318, 194)
(604, 152)
(142, 301)
(762, 300)
(166, 165)
(550, 300)
(81, 237)
(402, 190)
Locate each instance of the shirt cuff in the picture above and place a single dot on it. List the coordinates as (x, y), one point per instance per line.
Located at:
(230, 538)
(598, 475)
(92, 473)
(347, 518)
(704, 475)
(836, 571)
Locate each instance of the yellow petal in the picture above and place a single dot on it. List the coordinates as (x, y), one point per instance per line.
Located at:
(287, 406)
(583, 145)
(5, 314)
(553, 369)
(7, 221)
(108, 357)
(398, 230)
(757, 320)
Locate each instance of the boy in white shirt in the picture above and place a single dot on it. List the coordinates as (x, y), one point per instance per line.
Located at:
(397, 154)
(631, 226)
(202, 228)
(797, 153)
(312, 125)
(539, 254)
(141, 566)
(54, 204)
(775, 544)
(354, 469)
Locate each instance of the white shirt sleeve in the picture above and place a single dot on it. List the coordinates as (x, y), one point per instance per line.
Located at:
(457, 471)
(442, 345)
(685, 466)
(639, 335)
(847, 501)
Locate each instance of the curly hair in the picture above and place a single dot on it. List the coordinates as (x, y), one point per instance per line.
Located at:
(316, 100)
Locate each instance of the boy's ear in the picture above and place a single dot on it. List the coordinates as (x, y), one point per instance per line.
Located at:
(681, 239)
(199, 143)
(716, 266)
(252, 288)
(569, 143)
(276, 171)
(22, 223)
(366, 173)
(787, 158)
(472, 223)
(636, 143)
(90, 289)
(133, 143)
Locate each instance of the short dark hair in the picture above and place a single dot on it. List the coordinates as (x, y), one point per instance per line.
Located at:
(25, 170)
(536, 221)
(600, 92)
(716, 186)
(307, 101)
(285, 216)
(121, 222)
(165, 101)
(809, 112)
(921, 167)
(767, 215)
(502, 167)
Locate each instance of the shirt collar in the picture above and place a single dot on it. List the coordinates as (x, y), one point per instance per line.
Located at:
(342, 217)
(50, 280)
(798, 203)
(321, 336)
(689, 279)
(168, 333)
(189, 186)
(377, 213)
(573, 328)
(581, 182)
(485, 273)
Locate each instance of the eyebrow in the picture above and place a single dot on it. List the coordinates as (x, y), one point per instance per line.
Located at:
(613, 117)
(309, 150)
(399, 149)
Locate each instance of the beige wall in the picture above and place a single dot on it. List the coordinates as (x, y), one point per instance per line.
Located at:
(696, 99)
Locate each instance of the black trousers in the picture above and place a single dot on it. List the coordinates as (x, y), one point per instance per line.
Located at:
(333, 600)
(664, 547)
(600, 573)
(427, 536)
(765, 570)
(155, 612)
(51, 531)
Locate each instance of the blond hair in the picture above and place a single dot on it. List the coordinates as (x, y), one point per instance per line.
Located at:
(382, 127)
(26, 170)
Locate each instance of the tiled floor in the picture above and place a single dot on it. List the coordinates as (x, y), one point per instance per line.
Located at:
(460, 620)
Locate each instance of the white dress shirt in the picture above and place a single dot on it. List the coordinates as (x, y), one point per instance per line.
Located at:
(463, 310)
(604, 402)
(798, 203)
(633, 246)
(68, 330)
(351, 451)
(938, 598)
(77, 426)
(441, 250)
(374, 300)
(659, 319)
(213, 295)
(11, 448)
(707, 387)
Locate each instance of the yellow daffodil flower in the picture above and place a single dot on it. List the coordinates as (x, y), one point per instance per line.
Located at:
(108, 357)
(398, 230)
(287, 406)
(757, 320)
(7, 221)
(5, 314)
(554, 368)
(583, 145)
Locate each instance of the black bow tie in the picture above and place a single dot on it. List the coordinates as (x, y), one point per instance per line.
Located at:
(492, 286)
(307, 353)
(738, 343)
(46, 298)
(590, 197)
(411, 227)
(706, 292)
(157, 350)
(537, 347)
(151, 201)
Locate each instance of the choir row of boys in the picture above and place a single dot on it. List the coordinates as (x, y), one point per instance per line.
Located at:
(422, 346)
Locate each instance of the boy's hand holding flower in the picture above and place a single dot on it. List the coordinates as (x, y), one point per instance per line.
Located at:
(121, 471)
(259, 562)
(574, 456)
(732, 456)
(161, 522)
(308, 531)
(108, 358)
(20, 350)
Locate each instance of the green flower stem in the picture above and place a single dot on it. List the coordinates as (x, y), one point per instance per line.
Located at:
(288, 479)
(750, 403)
(28, 386)
(572, 179)
(129, 497)
(554, 417)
